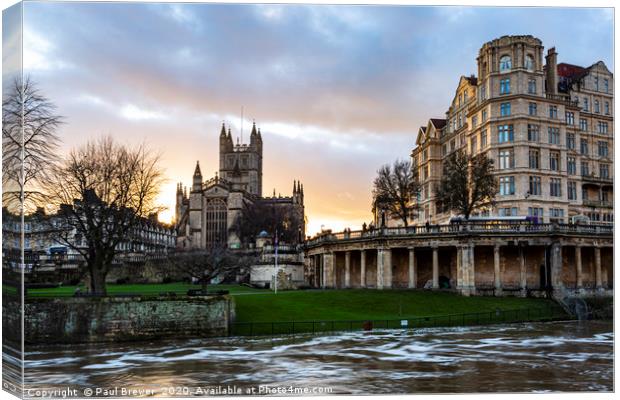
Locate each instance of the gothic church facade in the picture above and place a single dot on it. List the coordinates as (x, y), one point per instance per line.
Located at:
(205, 216)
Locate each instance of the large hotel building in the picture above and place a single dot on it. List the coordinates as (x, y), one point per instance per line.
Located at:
(547, 126)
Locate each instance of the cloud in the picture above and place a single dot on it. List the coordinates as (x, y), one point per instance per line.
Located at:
(135, 113)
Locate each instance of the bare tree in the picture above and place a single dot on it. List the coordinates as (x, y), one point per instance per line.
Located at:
(395, 189)
(29, 145)
(104, 190)
(263, 216)
(204, 265)
(467, 183)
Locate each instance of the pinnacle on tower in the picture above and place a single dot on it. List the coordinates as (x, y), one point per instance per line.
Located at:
(294, 187)
(197, 170)
(253, 129)
(223, 131)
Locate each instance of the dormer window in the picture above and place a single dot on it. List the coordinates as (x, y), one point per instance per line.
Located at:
(505, 64)
(529, 63)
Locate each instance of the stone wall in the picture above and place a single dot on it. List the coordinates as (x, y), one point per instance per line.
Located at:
(89, 319)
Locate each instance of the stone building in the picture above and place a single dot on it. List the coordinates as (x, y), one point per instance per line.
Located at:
(547, 126)
(52, 257)
(204, 217)
(549, 129)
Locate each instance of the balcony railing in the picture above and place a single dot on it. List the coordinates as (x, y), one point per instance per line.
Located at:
(597, 178)
(598, 203)
(562, 98)
(464, 229)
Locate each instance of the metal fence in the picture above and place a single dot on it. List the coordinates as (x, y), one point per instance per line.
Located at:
(549, 313)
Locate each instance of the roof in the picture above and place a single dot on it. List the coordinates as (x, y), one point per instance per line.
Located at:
(438, 123)
(472, 80)
(571, 71)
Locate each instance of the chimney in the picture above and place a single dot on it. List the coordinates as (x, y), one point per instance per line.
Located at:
(551, 71)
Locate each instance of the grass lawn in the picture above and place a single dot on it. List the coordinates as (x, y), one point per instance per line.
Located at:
(359, 304)
(261, 305)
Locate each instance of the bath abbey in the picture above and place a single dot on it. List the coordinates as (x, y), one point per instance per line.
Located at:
(206, 216)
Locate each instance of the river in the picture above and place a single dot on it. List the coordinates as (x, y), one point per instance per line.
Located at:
(528, 357)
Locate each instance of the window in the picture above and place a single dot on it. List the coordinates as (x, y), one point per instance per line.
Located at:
(553, 112)
(585, 104)
(570, 140)
(554, 161)
(534, 159)
(506, 185)
(533, 133)
(585, 169)
(555, 187)
(532, 109)
(425, 155)
(483, 139)
(505, 64)
(535, 212)
(606, 108)
(571, 190)
(554, 135)
(508, 211)
(531, 86)
(529, 62)
(505, 133)
(452, 145)
(603, 151)
(583, 124)
(556, 213)
(535, 186)
(484, 115)
(444, 149)
(216, 227)
(602, 127)
(596, 107)
(596, 83)
(504, 86)
(483, 93)
(474, 145)
(584, 146)
(571, 165)
(504, 109)
(603, 171)
(606, 85)
(474, 121)
(570, 118)
(506, 159)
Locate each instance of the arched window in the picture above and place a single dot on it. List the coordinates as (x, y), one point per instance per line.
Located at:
(505, 63)
(529, 62)
(216, 223)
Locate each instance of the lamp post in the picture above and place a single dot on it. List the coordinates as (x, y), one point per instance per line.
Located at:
(275, 279)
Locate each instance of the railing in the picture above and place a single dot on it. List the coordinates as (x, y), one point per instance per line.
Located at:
(595, 178)
(564, 99)
(550, 313)
(464, 229)
(598, 203)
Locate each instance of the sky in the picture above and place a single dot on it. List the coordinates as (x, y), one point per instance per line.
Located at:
(337, 91)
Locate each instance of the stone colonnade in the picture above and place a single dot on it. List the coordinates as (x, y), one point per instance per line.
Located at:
(468, 267)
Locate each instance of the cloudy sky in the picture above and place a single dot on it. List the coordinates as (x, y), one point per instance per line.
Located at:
(337, 90)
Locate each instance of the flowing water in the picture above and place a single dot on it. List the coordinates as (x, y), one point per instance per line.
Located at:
(529, 357)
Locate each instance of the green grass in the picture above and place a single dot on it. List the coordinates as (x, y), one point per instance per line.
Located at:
(260, 305)
(368, 305)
